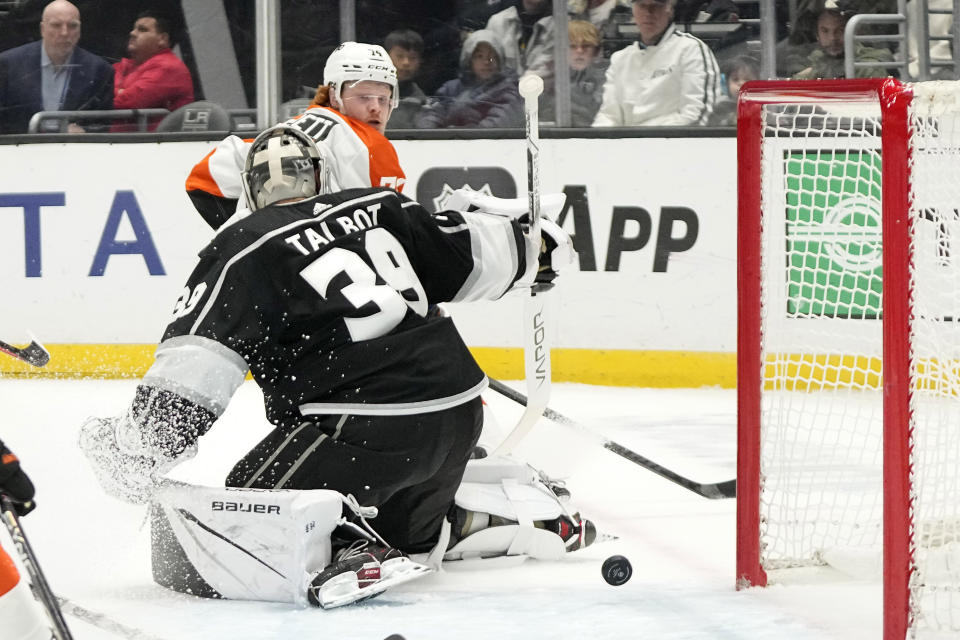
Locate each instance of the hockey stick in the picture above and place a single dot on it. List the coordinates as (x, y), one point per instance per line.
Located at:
(41, 588)
(33, 353)
(712, 490)
(102, 621)
(536, 349)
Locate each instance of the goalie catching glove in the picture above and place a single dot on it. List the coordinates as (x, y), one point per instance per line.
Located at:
(556, 248)
(131, 453)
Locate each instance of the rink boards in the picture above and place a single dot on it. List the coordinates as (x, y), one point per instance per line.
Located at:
(97, 239)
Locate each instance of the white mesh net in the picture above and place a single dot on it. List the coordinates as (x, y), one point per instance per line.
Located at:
(821, 456)
(821, 451)
(935, 363)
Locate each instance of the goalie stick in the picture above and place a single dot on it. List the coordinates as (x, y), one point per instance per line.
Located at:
(712, 490)
(33, 354)
(536, 348)
(41, 589)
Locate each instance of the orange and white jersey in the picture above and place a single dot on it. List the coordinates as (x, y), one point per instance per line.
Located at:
(364, 158)
(21, 614)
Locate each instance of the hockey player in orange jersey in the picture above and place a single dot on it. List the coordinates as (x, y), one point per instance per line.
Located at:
(22, 617)
(348, 114)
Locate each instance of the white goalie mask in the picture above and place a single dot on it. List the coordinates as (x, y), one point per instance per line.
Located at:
(283, 163)
(354, 62)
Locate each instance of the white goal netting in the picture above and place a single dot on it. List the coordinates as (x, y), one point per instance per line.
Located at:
(822, 347)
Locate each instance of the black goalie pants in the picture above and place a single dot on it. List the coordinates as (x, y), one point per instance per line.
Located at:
(409, 467)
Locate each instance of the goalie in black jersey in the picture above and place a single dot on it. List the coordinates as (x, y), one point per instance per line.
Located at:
(323, 297)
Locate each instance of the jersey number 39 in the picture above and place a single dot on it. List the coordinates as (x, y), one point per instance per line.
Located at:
(401, 291)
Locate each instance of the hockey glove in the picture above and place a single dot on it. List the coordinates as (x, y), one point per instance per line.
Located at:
(124, 466)
(465, 199)
(556, 252)
(14, 482)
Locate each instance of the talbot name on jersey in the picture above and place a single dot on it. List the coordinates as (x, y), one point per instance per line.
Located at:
(313, 238)
(246, 507)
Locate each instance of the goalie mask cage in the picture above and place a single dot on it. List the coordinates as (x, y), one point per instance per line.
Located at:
(849, 339)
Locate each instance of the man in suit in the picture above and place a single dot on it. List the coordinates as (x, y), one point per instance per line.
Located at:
(52, 74)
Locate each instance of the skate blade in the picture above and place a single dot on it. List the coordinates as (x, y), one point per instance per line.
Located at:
(337, 593)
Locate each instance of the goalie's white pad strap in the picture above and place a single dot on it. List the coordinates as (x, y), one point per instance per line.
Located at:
(508, 540)
(245, 544)
(501, 486)
(504, 487)
(551, 204)
(517, 502)
(494, 469)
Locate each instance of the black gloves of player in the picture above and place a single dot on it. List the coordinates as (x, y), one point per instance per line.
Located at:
(556, 251)
(14, 483)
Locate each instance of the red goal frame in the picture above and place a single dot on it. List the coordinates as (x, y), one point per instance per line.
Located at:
(894, 99)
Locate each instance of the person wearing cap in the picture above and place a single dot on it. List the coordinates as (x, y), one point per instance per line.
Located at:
(666, 78)
(827, 60)
(349, 113)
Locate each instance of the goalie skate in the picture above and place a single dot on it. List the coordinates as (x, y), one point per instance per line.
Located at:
(361, 572)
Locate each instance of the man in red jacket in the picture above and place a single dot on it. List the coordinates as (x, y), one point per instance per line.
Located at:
(152, 77)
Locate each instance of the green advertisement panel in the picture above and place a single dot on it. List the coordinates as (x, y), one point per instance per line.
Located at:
(833, 233)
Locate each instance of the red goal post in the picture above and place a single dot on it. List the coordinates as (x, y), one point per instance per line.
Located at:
(849, 339)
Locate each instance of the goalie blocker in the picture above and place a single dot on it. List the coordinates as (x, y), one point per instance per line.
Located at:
(253, 544)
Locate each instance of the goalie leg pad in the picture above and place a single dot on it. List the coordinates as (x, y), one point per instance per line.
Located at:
(506, 506)
(245, 544)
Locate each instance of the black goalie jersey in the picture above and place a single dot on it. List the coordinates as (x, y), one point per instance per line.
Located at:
(326, 299)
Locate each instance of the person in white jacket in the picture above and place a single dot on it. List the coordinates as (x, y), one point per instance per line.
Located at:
(666, 78)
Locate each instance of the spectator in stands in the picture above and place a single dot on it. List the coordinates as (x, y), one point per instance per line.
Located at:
(485, 94)
(405, 47)
(792, 54)
(52, 74)
(605, 15)
(526, 31)
(153, 77)
(666, 78)
(587, 69)
(736, 72)
(827, 59)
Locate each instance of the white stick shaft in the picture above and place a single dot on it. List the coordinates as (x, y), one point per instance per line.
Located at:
(536, 348)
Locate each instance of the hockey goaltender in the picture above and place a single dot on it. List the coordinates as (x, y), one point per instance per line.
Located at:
(371, 475)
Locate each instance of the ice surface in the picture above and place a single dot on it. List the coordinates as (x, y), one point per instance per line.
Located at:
(94, 549)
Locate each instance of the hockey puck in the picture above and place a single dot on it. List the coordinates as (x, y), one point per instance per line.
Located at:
(616, 570)
(394, 636)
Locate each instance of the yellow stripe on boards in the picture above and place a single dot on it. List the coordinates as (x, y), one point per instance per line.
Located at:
(657, 369)
(85, 361)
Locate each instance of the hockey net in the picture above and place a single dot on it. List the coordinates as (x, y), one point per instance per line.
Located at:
(849, 340)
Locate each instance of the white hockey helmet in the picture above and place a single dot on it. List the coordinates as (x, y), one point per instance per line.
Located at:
(283, 163)
(354, 62)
